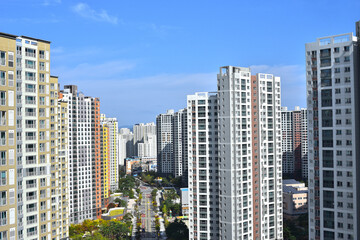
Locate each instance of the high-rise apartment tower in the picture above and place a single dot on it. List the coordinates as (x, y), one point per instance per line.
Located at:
(333, 100)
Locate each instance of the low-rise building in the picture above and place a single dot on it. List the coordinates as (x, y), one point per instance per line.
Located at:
(294, 197)
(185, 201)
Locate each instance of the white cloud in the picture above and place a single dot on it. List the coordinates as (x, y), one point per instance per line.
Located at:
(86, 11)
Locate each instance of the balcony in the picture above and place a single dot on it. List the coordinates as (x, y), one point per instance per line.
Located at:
(32, 221)
(33, 209)
(30, 54)
(29, 234)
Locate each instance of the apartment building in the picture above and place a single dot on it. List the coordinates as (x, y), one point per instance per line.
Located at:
(203, 181)
(294, 197)
(294, 143)
(112, 123)
(141, 134)
(33, 164)
(84, 155)
(333, 85)
(105, 164)
(180, 145)
(126, 145)
(172, 152)
(243, 169)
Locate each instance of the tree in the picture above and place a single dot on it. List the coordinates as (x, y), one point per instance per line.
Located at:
(177, 230)
(164, 209)
(111, 205)
(114, 230)
(89, 226)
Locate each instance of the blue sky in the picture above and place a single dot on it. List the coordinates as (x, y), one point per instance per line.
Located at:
(143, 57)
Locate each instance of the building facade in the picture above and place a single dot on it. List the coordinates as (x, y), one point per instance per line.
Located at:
(84, 155)
(105, 164)
(294, 197)
(126, 145)
(33, 130)
(333, 85)
(141, 132)
(294, 143)
(113, 150)
(203, 181)
(243, 153)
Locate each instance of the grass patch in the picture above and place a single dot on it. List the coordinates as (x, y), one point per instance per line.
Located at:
(116, 212)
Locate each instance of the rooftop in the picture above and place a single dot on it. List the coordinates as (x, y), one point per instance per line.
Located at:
(293, 190)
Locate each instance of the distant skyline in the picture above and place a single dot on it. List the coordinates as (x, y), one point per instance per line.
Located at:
(143, 57)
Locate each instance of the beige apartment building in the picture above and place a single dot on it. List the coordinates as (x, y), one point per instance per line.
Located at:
(33, 130)
(294, 197)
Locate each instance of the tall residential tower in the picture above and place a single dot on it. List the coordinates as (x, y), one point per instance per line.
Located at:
(333, 100)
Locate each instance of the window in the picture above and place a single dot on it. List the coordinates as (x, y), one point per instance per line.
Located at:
(2, 138)
(337, 70)
(3, 218)
(2, 98)
(42, 66)
(2, 78)
(2, 178)
(336, 49)
(346, 48)
(346, 59)
(30, 64)
(2, 58)
(3, 198)
(337, 60)
(42, 54)
(3, 158)
(2, 118)
(347, 69)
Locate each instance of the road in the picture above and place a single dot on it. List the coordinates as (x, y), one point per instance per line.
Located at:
(147, 214)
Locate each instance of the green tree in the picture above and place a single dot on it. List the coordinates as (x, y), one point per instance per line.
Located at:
(177, 230)
(114, 230)
(164, 209)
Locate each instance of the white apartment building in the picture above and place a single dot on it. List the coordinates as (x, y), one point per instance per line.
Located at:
(203, 166)
(141, 132)
(81, 154)
(180, 144)
(333, 84)
(126, 145)
(165, 151)
(112, 123)
(234, 154)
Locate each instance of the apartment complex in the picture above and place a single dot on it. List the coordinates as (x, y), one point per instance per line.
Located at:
(294, 143)
(333, 85)
(238, 156)
(84, 155)
(33, 131)
(113, 150)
